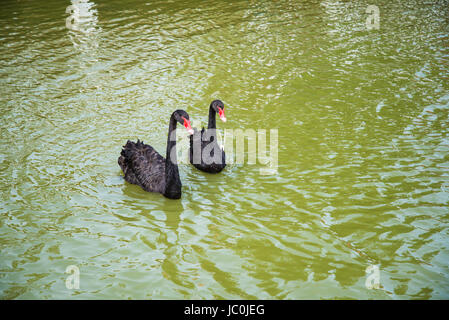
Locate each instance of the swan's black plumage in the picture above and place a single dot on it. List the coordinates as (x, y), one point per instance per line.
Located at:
(144, 166)
(201, 139)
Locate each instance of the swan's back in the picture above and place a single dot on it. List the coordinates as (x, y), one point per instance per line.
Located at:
(213, 167)
(144, 166)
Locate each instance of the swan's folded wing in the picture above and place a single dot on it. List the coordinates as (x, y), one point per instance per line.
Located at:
(148, 167)
(127, 169)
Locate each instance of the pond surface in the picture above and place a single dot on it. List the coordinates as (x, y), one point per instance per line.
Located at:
(363, 149)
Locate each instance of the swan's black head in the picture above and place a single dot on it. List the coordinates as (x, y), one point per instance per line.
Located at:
(183, 118)
(218, 106)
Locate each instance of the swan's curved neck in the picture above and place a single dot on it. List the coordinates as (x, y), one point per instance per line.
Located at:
(171, 142)
(172, 180)
(212, 124)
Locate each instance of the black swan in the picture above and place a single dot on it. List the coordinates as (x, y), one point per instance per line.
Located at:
(144, 166)
(199, 141)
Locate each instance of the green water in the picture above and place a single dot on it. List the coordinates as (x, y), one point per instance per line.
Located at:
(363, 176)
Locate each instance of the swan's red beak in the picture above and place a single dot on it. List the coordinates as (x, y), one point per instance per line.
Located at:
(221, 114)
(187, 125)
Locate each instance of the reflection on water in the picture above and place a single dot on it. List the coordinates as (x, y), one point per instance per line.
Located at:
(82, 24)
(362, 118)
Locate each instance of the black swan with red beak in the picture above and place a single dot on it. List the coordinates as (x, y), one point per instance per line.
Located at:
(205, 154)
(144, 166)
